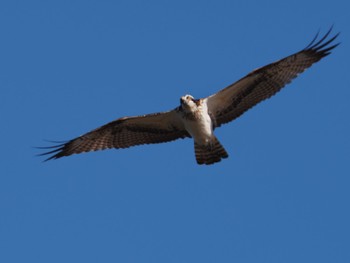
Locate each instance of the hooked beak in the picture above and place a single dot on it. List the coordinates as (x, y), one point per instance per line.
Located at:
(182, 100)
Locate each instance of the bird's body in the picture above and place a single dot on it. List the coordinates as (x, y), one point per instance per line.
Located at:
(199, 124)
(198, 118)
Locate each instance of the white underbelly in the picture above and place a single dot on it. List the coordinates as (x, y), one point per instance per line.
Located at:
(201, 130)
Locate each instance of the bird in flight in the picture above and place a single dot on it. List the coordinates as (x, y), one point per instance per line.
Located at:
(198, 118)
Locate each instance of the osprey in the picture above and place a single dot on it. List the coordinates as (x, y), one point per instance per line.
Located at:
(198, 118)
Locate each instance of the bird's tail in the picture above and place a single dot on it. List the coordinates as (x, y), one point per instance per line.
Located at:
(211, 153)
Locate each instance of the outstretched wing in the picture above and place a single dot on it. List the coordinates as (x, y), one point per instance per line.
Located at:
(125, 132)
(261, 84)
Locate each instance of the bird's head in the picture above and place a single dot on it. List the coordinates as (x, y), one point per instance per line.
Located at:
(189, 103)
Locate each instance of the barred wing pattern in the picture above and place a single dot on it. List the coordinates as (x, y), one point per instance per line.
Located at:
(125, 132)
(231, 102)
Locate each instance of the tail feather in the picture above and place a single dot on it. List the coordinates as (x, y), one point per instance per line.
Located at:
(211, 153)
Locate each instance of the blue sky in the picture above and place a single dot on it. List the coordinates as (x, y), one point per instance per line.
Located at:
(67, 67)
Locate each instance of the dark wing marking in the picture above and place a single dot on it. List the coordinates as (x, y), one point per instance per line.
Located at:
(125, 132)
(262, 83)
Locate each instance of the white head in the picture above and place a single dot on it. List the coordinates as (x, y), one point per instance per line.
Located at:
(189, 103)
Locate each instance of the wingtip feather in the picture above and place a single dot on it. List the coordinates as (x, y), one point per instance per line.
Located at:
(321, 45)
(56, 150)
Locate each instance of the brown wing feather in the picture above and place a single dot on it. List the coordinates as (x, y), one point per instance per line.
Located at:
(125, 132)
(261, 84)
